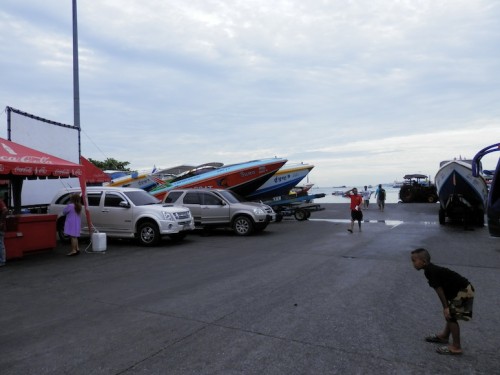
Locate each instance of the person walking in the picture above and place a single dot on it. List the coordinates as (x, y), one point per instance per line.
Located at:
(72, 224)
(366, 196)
(380, 195)
(355, 207)
(3, 223)
(456, 295)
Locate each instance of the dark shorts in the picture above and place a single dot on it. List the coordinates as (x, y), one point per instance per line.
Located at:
(461, 306)
(356, 215)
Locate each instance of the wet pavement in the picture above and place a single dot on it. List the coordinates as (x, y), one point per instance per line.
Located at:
(300, 298)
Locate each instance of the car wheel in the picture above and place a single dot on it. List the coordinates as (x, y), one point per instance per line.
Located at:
(243, 226)
(431, 199)
(148, 234)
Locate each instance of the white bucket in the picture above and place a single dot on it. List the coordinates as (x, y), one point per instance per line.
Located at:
(98, 241)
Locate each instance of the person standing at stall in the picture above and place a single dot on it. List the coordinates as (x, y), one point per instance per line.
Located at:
(72, 224)
(3, 224)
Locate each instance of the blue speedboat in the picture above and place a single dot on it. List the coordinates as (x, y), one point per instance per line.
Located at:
(284, 180)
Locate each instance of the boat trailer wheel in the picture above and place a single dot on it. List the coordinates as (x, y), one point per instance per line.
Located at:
(301, 214)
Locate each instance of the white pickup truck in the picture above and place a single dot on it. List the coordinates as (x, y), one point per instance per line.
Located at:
(126, 213)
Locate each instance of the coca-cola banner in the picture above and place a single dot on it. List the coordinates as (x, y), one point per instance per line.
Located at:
(20, 160)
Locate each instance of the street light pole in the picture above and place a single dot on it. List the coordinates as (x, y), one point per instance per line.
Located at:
(76, 83)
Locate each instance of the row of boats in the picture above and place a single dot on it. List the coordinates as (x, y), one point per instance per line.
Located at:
(461, 187)
(255, 180)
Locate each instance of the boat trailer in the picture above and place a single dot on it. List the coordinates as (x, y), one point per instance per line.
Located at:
(298, 206)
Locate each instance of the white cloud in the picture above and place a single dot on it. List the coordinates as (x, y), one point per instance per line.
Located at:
(360, 88)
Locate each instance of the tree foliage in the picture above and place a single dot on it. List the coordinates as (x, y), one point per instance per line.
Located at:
(111, 164)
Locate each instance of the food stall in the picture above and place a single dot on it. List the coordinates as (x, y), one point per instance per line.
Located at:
(27, 233)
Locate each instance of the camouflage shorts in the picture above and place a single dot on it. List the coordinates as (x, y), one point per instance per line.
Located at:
(461, 306)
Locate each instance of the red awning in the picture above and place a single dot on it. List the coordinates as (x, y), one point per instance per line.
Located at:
(92, 173)
(19, 160)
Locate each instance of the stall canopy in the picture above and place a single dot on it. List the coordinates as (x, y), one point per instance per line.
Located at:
(93, 174)
(19, 160)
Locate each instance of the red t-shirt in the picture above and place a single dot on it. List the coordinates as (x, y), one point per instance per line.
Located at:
(356, 200)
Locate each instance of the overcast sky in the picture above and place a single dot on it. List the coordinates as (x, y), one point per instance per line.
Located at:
(366, 90)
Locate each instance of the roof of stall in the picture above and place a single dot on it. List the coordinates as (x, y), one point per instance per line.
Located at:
(19, 160)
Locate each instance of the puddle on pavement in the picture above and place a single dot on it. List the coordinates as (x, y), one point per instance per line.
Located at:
(391, 223)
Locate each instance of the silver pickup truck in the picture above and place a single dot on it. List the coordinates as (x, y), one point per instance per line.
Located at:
(222, 208)
(126, 213)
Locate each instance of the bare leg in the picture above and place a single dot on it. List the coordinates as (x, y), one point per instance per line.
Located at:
(74, 246)
(454, 329)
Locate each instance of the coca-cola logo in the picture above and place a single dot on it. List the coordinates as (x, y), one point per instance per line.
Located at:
(23, 170)
(61, 172)
(41, 171)
(27, 159)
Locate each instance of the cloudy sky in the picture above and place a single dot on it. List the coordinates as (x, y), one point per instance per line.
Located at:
(365, 90)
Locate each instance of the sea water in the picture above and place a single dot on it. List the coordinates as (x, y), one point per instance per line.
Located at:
(391, 194)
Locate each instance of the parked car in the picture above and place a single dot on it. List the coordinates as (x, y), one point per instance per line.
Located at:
(126, 213)
(222, 208)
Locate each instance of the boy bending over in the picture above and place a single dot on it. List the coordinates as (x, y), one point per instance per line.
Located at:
(456, 295)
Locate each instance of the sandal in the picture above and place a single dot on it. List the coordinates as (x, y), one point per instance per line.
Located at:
(446, 350)
(436, 339)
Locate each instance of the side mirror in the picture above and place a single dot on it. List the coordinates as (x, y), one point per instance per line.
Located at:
(124, 204)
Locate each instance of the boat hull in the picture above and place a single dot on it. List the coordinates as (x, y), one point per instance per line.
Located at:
(460, 193)
(243, 178)
(141, 181)
(282, 182)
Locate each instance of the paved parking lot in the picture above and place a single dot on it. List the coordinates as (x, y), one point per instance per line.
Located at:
(300, 298)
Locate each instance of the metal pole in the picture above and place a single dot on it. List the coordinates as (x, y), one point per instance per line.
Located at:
(76, 83)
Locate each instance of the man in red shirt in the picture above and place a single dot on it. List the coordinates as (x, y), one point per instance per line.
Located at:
(356, 202)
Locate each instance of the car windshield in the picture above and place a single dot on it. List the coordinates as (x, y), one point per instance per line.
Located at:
(141, 198)
(231, 197)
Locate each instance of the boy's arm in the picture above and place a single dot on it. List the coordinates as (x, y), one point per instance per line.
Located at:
(444, 302)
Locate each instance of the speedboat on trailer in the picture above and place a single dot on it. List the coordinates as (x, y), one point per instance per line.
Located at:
(462, 196)
(242, 178)
(285, 179)
(493, 212)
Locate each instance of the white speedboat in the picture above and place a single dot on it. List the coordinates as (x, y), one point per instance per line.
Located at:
(461, 195)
